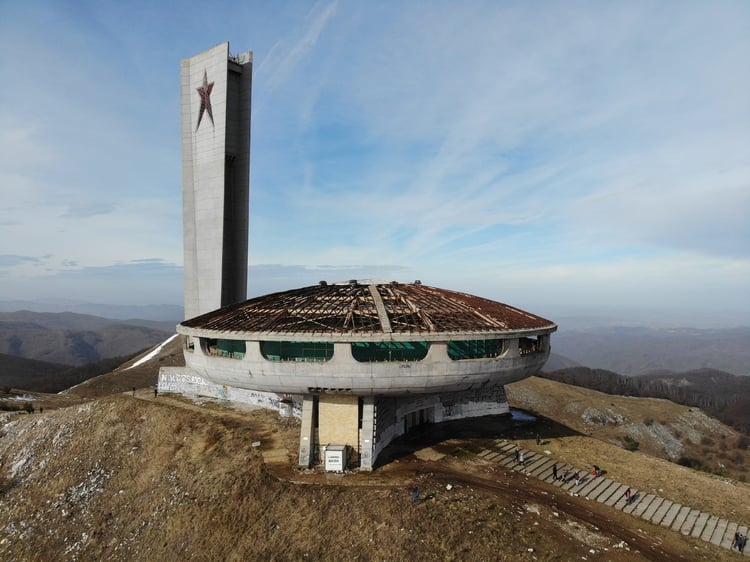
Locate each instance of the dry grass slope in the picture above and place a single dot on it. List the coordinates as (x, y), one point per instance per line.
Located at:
(661, 428)
(114, 477)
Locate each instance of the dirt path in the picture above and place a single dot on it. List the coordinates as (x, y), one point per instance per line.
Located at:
(437, 469)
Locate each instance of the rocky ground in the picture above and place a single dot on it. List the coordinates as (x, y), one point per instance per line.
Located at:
(105, 474)
(138, 478)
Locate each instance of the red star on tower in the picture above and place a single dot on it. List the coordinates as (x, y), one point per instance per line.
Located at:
(205, 93)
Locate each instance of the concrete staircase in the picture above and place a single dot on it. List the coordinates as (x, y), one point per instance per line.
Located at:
(659, 511)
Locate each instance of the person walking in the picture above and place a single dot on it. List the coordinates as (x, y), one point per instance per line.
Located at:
(554, 471)
(415, 494)
(538, 439)
(628, 496)
(156, 391)
(520, 457)
(736, 541)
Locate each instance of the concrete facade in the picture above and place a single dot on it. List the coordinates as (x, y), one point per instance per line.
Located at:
(364, 401)
(183, 380)
(343, 374)
(359, 363)
(215, 111)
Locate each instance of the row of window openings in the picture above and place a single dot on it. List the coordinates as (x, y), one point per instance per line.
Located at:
(364, 352)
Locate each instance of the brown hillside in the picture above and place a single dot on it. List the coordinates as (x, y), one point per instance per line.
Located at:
(136, 478)
(661, 428)
(124, 478)
(127, 376)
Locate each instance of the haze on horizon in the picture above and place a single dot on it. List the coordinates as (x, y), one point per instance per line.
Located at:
(555, 156)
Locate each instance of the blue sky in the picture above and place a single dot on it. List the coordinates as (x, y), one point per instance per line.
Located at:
(551, 155)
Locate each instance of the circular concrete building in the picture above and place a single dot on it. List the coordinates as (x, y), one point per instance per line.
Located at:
(368, 361)
(359, 363)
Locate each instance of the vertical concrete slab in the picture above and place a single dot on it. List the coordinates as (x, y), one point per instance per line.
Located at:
(726, 541)
(546, 475)
(742, 529)
(700, 523)
(306, 434)
(367, 435)
(534, 465)
(679, 520)
(709, 529)
(529, 457)
(215, 178)
(589, 485)
(661, 512)
(638, 499)
(599, 488)
(689, 523)
(541, 468)
(721, 527)
(616, 495)
(607, 492)
(562, 469)
(643, 505)
(509, 460)
(648, 513)
(622, 502)
(571, 484)
(505, 456)
(669, 517)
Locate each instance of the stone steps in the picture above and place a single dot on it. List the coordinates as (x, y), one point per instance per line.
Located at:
(649, 507)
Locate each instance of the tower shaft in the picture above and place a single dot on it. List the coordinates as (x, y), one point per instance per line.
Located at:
(215, 97)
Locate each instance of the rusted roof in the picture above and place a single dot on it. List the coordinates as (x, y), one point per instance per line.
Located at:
(354, 307)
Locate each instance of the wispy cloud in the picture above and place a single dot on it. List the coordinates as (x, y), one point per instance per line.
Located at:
(286, 54)
(570, 151)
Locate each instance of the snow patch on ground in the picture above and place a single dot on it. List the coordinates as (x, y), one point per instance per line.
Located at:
(153, 353)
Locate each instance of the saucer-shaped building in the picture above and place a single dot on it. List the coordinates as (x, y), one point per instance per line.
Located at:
(359, 362)
(364, 361)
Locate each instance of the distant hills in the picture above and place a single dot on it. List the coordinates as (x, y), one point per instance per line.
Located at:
(41, 376)
(722, 395)
(638, 351)
(156, 312)
(74, 339)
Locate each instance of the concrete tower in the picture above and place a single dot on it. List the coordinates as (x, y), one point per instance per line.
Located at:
(215, 100)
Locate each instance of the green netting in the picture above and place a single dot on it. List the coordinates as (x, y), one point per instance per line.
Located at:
(390, 351)
(296, 350)
(231, 348)
(474, 349)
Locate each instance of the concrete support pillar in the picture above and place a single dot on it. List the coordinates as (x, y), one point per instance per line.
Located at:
(512, 346)
(307, 432)
(367, 444)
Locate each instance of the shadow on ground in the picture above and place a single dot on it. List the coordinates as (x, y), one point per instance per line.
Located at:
(476, 433)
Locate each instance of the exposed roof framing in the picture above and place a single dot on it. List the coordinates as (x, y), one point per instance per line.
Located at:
(353, 307)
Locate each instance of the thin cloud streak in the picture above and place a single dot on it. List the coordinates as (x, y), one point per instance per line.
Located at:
(517, 149)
